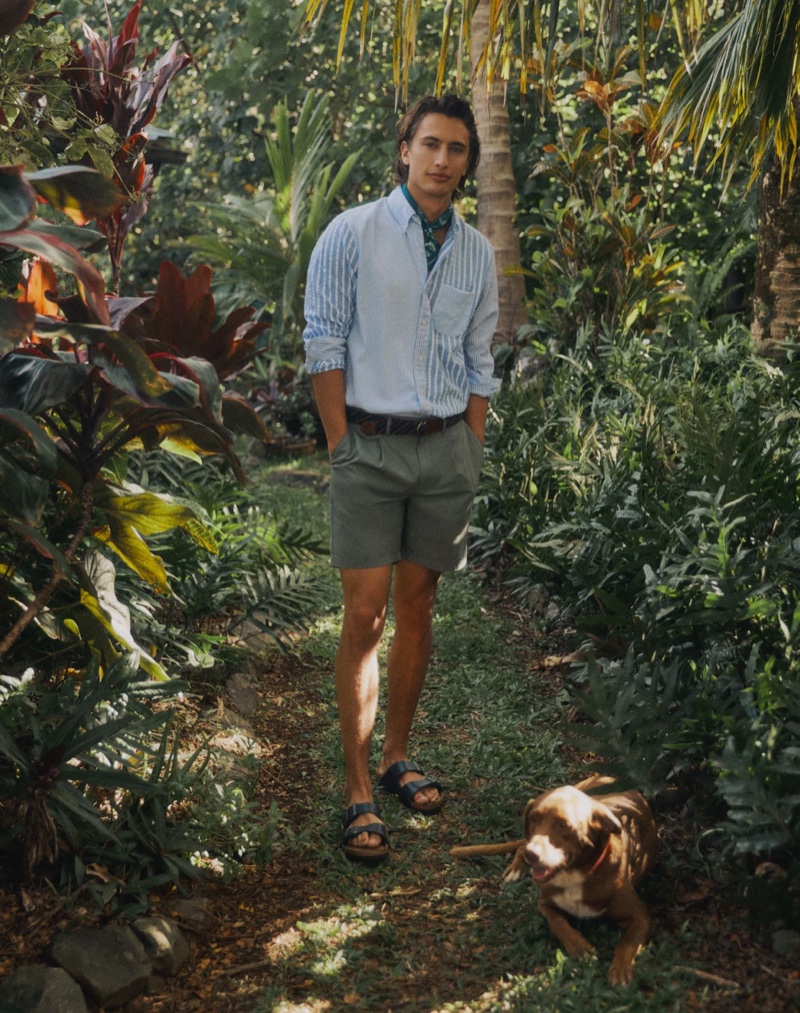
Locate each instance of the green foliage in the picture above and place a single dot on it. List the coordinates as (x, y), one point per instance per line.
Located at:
(87, 383)
(259, 577)
(84, 786)
(264, 243)
(231, 827)
(34, 98)
(656, 489)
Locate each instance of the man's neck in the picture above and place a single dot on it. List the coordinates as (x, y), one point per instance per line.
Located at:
(431, 208)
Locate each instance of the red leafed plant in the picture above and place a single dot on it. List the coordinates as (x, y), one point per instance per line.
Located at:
(184, 321)
(108, 88)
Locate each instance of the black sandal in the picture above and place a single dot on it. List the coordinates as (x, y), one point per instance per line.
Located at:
(361, 853)
(390, 781)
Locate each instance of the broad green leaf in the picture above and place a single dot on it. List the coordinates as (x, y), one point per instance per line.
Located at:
(81, 237)
(61, 254)
(42, 545)
(179, 450)
(17, 426)
(148, 664)
(17, 199)
(207, 379)
(28, 463)
(175, 392)
(240, 416)
(129, 545)
(16, 323)
(80, 192)
(148, 513)
(145, 378)
(32, 384)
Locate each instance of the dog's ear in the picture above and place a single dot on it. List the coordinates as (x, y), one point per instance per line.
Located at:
(526, 814)
(604, 819)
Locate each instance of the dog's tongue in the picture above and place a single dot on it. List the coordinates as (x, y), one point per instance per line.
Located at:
(539, 873)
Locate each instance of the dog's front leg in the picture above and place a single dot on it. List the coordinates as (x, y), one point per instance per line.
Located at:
(635, 920)
(517, 867)
(569, 937)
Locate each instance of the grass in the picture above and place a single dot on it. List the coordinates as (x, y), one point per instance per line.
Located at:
(425, 932)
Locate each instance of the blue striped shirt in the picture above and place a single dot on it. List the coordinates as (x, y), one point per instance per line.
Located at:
(410, 342)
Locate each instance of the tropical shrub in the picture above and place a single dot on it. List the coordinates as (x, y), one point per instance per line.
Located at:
(86, 789)
(656, 491)
(88, 384)
(263, 244)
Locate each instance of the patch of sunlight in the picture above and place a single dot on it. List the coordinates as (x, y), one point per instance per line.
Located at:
(330, 965)
(328, 624)
(345, 923)
(323, 940)
(284, 945)
(317, 1006)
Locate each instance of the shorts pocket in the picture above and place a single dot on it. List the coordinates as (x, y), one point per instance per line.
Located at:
(342, 449)
(468, 451)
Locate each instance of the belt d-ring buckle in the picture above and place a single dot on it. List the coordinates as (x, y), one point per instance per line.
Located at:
(421, 427)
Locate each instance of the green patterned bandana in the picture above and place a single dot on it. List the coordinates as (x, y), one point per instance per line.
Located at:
(428, 228)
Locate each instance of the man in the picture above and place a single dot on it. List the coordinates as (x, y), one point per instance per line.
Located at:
(401, 305)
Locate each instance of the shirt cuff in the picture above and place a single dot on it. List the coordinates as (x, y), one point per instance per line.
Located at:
(486, 388)
(323, 365)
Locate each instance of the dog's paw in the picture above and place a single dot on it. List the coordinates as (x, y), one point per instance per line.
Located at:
(620, 972)
(512, 874)
(578, 948)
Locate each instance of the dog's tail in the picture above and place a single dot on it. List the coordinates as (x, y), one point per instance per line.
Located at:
(470, 850)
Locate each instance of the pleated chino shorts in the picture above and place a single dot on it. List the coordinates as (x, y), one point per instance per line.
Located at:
(403, 497)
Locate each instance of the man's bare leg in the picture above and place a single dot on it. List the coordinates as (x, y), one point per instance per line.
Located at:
(414, 596)
(366, 596)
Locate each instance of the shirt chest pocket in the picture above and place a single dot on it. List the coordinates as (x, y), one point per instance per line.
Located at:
(452, 310)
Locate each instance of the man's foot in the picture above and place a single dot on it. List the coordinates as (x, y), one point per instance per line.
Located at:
(364, 840)
(422, 794)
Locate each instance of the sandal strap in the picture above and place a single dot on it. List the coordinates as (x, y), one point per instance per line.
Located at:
(407, 791)
(358, 809)
(368, 828)
(392, 774)
(390, 781)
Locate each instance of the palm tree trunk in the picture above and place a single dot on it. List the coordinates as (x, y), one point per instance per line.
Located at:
(496, 186)
(776, 299)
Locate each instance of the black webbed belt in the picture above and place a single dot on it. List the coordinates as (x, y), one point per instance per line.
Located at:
(392, 425)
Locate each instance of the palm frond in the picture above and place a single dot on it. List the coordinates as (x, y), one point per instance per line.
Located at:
(742, 89)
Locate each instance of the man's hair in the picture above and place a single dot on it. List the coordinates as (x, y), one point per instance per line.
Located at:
(448, 105)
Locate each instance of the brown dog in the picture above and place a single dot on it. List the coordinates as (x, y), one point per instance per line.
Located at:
(586, 854)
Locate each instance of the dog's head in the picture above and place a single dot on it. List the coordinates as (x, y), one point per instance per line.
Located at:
(564, 828)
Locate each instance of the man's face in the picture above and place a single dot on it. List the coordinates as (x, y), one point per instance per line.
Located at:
(437, 158)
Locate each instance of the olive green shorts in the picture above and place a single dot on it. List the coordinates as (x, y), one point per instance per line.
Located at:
(403, 497)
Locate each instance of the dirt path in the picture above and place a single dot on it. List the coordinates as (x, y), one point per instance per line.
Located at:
(309, 932)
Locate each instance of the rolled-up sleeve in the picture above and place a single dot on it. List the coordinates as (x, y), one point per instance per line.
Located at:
(478, 339)
(330, 298)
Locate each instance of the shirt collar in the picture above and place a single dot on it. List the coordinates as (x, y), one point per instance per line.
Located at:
(402, 212)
